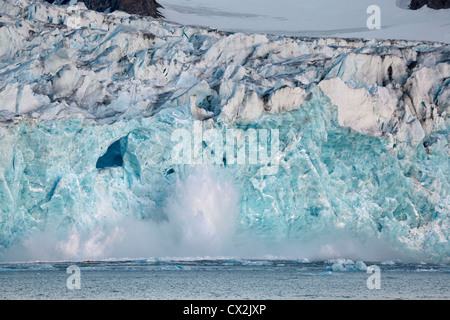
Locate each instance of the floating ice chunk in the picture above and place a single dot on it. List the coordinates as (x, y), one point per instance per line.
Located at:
(350, 267)
(360, 265)
(337, 267)
(256, 263)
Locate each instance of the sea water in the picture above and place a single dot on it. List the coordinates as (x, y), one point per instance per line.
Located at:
(192, 279)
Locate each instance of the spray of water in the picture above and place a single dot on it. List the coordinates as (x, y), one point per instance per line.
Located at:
(201, 213)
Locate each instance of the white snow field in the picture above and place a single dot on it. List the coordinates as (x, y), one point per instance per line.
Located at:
(319, 18)
(89, 103)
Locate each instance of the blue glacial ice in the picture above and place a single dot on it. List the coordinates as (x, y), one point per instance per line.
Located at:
(89, 104)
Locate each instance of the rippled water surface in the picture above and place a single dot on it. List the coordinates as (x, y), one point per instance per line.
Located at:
(221, 279)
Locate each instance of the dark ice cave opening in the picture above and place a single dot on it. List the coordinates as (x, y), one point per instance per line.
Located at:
(113, 157)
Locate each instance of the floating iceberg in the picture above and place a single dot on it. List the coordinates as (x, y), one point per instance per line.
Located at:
(89, 103)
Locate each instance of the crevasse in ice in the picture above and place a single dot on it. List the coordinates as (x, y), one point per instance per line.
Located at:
(89, 104)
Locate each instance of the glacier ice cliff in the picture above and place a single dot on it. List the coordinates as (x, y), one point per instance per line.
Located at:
(89, 103)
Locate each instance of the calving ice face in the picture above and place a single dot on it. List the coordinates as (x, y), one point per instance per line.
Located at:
(232, 309)
(228, 146)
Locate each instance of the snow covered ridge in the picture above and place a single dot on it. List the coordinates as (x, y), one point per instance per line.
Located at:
(76, 85)
(324, 18)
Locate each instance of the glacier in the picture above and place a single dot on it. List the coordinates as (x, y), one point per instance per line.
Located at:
(89, 103)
